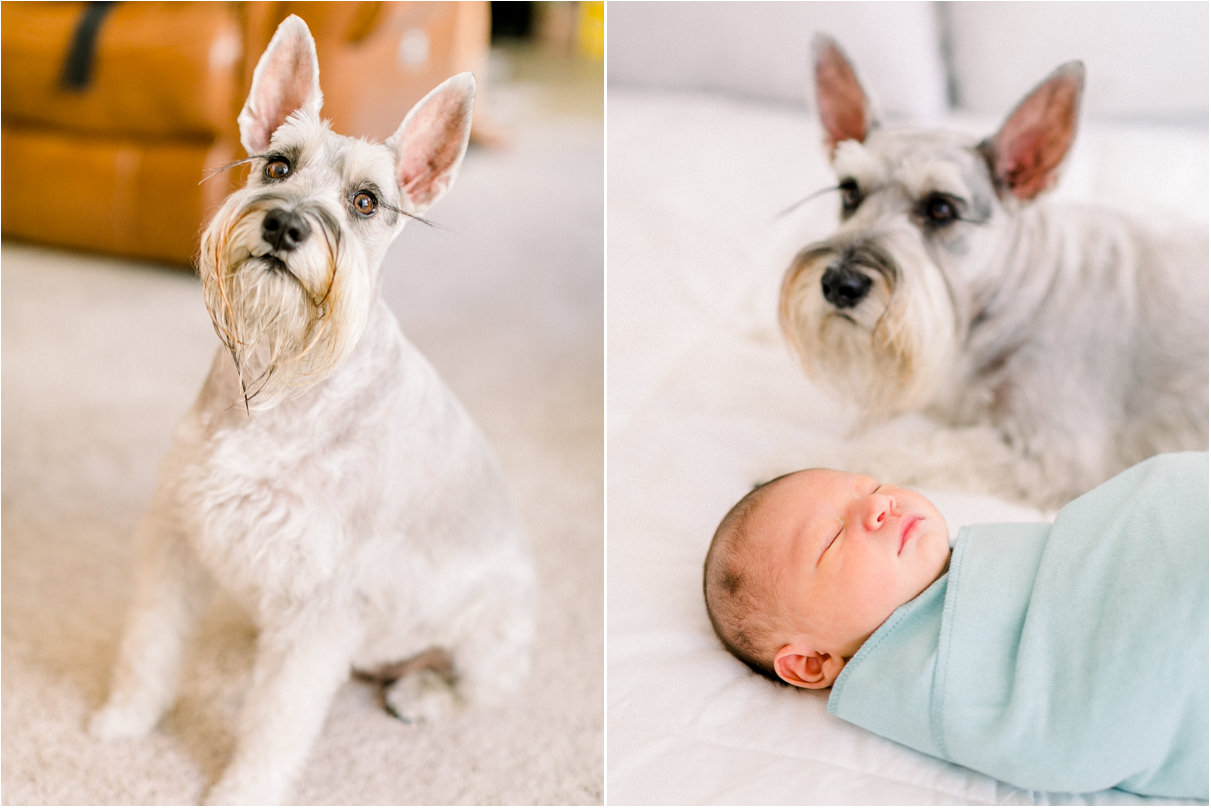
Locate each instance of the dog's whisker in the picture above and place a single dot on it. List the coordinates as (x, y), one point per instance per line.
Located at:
(414, 217)
(813, 195)
(216, 171)
(333, 249)
(245, 396)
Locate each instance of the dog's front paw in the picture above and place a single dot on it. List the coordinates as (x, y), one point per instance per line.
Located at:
(421, 696)
(113, 722)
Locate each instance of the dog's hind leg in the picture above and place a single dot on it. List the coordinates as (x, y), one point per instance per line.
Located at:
(171, 589)
(486, 658)
(435, 661)
(422, 688)
(298, 668)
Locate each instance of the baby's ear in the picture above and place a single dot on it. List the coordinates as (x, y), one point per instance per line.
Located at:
(799, 666)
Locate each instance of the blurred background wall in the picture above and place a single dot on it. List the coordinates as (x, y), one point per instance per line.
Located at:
(1144, 60)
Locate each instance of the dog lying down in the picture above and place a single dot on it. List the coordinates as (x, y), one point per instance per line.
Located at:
(1060, 345)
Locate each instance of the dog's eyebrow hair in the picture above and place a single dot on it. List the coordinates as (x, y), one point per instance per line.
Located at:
(806, 199)
(253, 157)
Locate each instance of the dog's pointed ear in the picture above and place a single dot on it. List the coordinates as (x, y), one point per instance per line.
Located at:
(843, 106)
(430, 143)
(286, 79)
(1024, 157)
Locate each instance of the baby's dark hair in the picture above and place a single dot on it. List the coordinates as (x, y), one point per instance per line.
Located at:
(737, 596)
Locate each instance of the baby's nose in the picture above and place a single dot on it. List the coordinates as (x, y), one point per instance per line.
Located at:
(875, 510)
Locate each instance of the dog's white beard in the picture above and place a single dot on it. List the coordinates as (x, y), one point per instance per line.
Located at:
(285, 330)
(893, 353)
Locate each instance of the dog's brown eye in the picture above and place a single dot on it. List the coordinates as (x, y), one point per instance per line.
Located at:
(277, 169)
(940, 210)
(365, 203)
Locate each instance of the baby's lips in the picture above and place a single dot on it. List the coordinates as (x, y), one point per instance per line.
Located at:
(907, 527)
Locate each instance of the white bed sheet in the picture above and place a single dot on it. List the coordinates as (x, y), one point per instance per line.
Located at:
(704, 400)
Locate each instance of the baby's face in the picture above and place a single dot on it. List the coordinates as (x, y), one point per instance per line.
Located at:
(846, 552)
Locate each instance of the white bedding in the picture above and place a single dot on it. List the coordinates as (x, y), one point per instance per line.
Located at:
(704, 401)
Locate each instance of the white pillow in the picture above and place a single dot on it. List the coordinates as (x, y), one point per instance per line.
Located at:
(1142, 60)
(761, 50)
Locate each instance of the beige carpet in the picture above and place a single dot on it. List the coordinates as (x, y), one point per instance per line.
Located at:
(102, 356)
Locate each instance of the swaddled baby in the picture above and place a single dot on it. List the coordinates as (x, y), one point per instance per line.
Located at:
(1069, 656)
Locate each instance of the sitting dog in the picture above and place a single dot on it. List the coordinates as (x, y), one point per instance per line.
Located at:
(1060, 345)
(325, 476)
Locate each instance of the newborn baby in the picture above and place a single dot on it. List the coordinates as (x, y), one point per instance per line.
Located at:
(1063, 657)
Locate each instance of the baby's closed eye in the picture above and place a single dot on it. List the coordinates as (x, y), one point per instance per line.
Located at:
(837, 535)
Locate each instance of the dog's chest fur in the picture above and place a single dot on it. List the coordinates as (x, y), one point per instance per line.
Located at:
(274, 517)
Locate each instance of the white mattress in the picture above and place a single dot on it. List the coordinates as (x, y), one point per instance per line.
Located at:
(704, 401)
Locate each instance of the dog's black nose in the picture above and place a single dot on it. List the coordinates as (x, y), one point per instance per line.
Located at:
(284, 230)
(844, 287)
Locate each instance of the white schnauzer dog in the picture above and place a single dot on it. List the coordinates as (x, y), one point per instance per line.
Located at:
(327, 479)
(1059, 345)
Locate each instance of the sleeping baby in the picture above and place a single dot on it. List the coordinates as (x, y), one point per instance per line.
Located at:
(1069, 656)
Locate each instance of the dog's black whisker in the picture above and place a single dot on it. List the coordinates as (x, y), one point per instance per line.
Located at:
(796, 205)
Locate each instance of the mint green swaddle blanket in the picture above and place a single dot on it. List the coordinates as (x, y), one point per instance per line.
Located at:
(1065, 657)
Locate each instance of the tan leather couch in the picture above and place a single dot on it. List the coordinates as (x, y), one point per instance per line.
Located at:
(117, 165)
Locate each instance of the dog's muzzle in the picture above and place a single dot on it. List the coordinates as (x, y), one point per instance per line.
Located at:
(284, 230)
